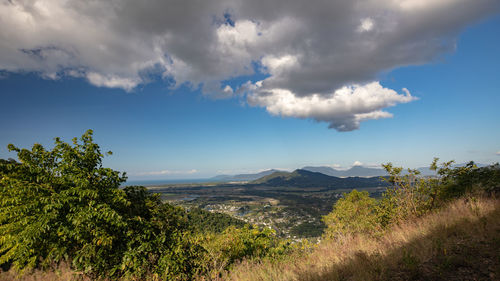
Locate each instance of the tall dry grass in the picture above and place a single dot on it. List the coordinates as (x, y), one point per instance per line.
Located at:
(60, 273)
(458, 242)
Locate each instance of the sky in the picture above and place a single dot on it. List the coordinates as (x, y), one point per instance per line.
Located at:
(192, 89)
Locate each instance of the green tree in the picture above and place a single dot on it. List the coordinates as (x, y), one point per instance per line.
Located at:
(352, 214)
(63, 205)
(60, 203)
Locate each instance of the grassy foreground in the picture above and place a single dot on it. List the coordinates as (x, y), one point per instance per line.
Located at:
(458, 242)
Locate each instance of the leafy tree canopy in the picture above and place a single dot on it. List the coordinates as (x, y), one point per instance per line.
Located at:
(355, 213)
(62, 205)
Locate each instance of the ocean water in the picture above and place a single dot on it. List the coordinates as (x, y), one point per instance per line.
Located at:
(162, 182)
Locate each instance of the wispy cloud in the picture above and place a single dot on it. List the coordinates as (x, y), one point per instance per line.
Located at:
(498, 152)
(167, 172)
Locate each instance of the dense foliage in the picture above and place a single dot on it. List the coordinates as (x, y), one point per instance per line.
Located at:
(236, 244)
(355, 213)
(410, 195)
(61, 205)
(205, 221)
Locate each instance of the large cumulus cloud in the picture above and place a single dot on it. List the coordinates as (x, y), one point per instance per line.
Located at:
(310, 50)
(344, 109)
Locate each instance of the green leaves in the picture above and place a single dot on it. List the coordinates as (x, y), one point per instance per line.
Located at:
(353, 214)
(62, 205)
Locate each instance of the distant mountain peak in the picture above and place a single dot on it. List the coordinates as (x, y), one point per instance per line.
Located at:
(303, 178)
(354, 171)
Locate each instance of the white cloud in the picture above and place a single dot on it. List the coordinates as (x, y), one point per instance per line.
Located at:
(498, 152)
(357, 163)
(167, 172)
(112, 81)
(307, 52)
(343, 109)
(366, 25)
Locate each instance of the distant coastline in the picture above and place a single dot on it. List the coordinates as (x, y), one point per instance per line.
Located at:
(162, 182)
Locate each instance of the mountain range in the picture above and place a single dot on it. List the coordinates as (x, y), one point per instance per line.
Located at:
(242, 177)
(355, 171)
(306, 179)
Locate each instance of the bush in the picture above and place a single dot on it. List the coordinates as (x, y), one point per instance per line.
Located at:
(352, 214)
(409, 194)
(235, 244)
(470, 179)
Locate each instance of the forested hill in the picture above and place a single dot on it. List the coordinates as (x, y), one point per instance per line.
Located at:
(307, 179)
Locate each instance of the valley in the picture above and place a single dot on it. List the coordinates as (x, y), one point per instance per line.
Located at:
(290, 203)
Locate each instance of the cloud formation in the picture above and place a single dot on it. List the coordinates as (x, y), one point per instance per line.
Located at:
(307, 49)
(343, 109)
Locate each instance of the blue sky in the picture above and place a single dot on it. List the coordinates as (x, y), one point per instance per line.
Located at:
(159, 131)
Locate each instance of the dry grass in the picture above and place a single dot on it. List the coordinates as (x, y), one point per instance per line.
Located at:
(459, 242)
(61, 273)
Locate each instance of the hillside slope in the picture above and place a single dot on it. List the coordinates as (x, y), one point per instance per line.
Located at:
(306, 179)
(459, 242)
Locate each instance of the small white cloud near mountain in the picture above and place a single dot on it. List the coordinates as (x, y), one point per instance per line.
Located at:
(167, 172)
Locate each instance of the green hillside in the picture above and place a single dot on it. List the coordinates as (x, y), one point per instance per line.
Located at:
(307, 179)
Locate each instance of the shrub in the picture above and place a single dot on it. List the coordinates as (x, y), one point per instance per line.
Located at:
(354, 213)
(409, 195)
(470, 179)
